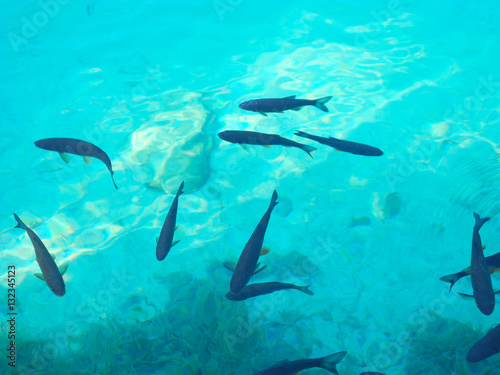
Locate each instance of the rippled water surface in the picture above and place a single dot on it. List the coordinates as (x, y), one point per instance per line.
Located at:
(153, 83)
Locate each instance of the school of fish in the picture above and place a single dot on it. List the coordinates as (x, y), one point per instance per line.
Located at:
(247, 263)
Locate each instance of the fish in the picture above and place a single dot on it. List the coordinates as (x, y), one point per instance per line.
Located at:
(264, 106)
(262, 139)
(346, 146)
(486, 347)
(259, 289)
(247, 262)
(294, 367)
(493, 263)
(65, 146)
(50, 273)
(165, 241)
(371, 373)
(480, 274)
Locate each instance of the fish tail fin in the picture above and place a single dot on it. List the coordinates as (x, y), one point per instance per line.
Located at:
(179, 192)
(20, 223)
(114, 183)
(305, 289)
(453, 278)
(308, 149)
(273, 200)
(330, 363)
(320, 103)
(302, 134)
(479, 221)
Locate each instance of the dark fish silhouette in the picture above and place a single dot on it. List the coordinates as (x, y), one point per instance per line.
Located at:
(480, 274)
(346, 146)
(65, 146)
(291, 368)
(247, 262)
(50, 273)
(164, 243)
(486, 347)
(258, 289)
(283, 104)
(493, 263)
(262, 139)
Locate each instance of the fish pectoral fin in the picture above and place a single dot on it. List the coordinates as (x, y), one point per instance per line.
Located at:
(245, 147)
(290, 97)
(264, 251)
(497, 292)
(266, 146)
(466, 295)
(260, 269)
(175, 243)
(157, 238)
(263, 114)
(87, 160)
(63, 268)
(297, 109)
(176, 228)
(484, 247)
(40, 276)
(493, 269)
(231, 266)
(53, 256)
(65, 156)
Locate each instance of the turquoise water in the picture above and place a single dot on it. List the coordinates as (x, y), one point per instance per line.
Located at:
(153, 83)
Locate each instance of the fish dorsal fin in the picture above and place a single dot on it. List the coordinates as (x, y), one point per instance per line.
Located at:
(53, 256)
(63, 268)
(87, 160)
(39, 275)
(281, 363)
(157, 239)
(231, 266)
(466, 295)
(497, 292)
(65, 156)
(175, 243)
(290, 97)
